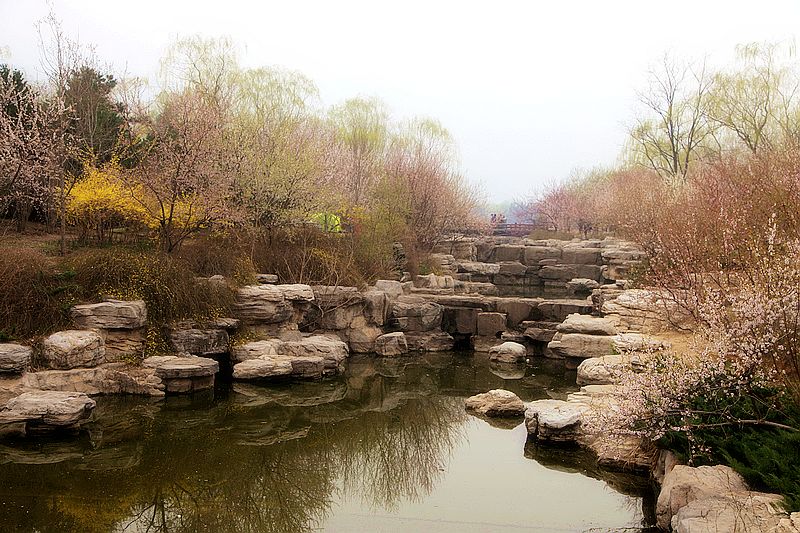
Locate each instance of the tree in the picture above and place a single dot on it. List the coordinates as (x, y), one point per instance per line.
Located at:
(361, 126)
(756, 102)
(30, 142)
(675, 133)
(180, 181)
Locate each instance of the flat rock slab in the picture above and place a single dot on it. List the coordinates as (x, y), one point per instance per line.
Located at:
(54, 409)
(309, 358)
(73, 348)
(272, 366)
(554, 420)
(110, 314)
(590, 325)
(581, 345)
(497, 402)
(176, 367)
(14, 358)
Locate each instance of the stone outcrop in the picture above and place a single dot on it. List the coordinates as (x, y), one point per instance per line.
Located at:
(272, 304)
(508, 352)
(554, 420)
(201, 341)
(72, 349)
(416, 313)
(391, 344)
(589, 325)
(14, 358)
(110, 314)
(309, 358)
(497, 402)
(581, 345)
(185, 373)
(45, 411)
(429, 341)
(109, 378)
(608, 369)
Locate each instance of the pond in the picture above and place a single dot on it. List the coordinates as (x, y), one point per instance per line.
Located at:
(385, 447)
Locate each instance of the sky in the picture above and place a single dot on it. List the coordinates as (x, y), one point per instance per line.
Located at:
(531, 91)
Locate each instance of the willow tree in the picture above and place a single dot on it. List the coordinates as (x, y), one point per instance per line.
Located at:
(362, 128)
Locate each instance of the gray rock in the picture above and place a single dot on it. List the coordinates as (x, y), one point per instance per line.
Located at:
(267, 279)
(73, 348)
(263, 303)
(554, 420)
(508, 352)
(391, 344)
(497, 402)
(14, 358)
(534, 254)
(582, 346)
(109, 378)
(200, 341)
(49, 409)
(430, 341)
(414, 313)
(183, 374)
(110, 314)
(589, 325)
(393, 289)
(263, 367)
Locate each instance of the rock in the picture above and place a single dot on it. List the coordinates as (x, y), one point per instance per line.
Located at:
(183, 374)
(513, 268)
(508, 252)
(432, 281)
(497, 402)
(558, 272)
(517, 310)
(199, 341)
(534, 254)
(255, 350)
(581, 286)
(377, 308)
(581, 256)
(685, 484)
(508, 352)
(539, 331)
(414, 313)
(460, 320)
(337, 307)
(262, 303)
(510, 371)
(263, 367)
(559, 310)
(297, 292)
(123, 344)
(554, 420)
(747, 511)
(482, 269)
(109, 378)
(431, 341)
(580, 345)
(393, 289)
(391, 344)
(73, 348)
(110, 314)
(362, 339)
(636, 342)
(14, 358)
(623, 453)
(48, 410)
(589, 325)
(267, 279)
(491, 324)
(607, 369)
(332, 350)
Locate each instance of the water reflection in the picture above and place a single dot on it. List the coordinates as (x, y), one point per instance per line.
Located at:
(251, 458)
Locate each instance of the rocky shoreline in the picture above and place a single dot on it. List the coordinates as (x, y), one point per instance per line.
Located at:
(512, 298)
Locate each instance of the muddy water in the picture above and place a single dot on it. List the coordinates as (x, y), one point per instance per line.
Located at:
(385, 447)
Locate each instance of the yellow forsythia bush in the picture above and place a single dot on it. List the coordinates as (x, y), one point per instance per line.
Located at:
(99, 202)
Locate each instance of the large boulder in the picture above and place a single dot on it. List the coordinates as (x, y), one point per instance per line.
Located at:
(73, 348)
(581, 345)
(497, 402)
(508, 352)
(263, 368)
(429, 341)
(607, 369)
(308, 358)
(534, 254)
(392, 288)
(554, 420)
(183, 374)
(491, 324)
(391, 344)
(199, 341)
(263, 304)
(746, 511)
(685, 484)
(14, 358)
(48, 410)
(414, 313)
(589, 325)
(361, 339)
(110, 314)
(109, 378)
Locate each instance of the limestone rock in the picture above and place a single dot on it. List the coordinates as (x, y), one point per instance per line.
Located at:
(432, 281)
(589, 325)
(554, 420)
(110, 314)
(14, 358)
(270, 279)
(484, 269)
(263, 367)
(362, 339)
(199, 341)
(746, 511)
(49, 409)
(391, 344)
(508, 352)
(497, 402)
(73, 348)
(581, 345)
(262, 303)
(491, 324)
(429, 341)
(607, 369)
(393, 289)
(109, 378)
(581, 286)
(255, 350)
(685, 484)
(296, 292)
(183, 374)
(534, 254)
(414, 313)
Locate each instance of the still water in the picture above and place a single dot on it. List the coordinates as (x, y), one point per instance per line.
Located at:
(386, 447)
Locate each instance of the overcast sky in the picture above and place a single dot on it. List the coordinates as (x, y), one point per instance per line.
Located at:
(530, 90)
